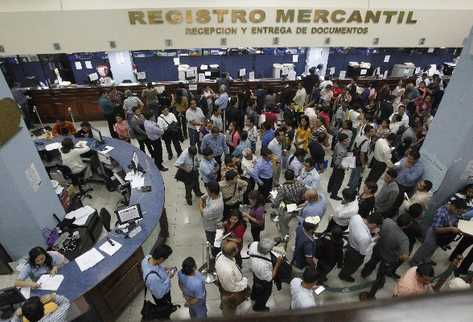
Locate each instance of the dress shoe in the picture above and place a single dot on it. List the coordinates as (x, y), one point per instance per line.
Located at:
(346, 278)
(189, 202)
(163, 168)
(335, 197)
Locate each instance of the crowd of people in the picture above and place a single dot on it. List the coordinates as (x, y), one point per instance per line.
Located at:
(240, 145)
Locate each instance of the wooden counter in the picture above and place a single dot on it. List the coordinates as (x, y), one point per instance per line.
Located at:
(54, 103)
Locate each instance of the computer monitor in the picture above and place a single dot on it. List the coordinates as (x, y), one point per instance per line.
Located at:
(97, 135)
(129, 214)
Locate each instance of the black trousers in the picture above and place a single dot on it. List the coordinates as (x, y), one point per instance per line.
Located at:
(256, 231)
(266, 187)
(111, 121)
(158, 152)
(335, 181)
(181, 119)
(174, 139)
(164, 302)
(377, 170)
(249, 188)
(352, 261)
(219, 172)
(148, 145)
(192, 184)
(464, 243)
(260, 293)
(384, 268)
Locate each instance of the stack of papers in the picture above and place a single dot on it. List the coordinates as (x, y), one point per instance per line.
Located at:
(50, 283)
(466, 226)
(89, 259)
(81, 144)
(108, 249)
(291, 207)
(53, 146)
(136, 179)
(81, 215)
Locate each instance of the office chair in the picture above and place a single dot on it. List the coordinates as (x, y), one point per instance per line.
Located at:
(77, 179)
(105, 218)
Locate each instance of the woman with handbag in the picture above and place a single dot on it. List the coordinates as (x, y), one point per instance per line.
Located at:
(158, 281)
(168, 122)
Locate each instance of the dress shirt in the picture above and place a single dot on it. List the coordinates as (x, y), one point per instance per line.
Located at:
(229, 274)
(314, 208)
(34, 273)
(386, 197)
(290, 192)
(73, 159)
(240, 147)
(247, 166)
(359, 236)
(187, 161)
(409, 285)
(159, 285)
(59, 315)
(222, 101)
(382, 152)
(295, 165)
(153, 130)
(263, 269)
(404, 119)
(310, 179)
(208, 170)
(267, 137)
(165, 120)
(212, 213)
(443, 218)
(304, 247)
(217, 121)
(194, 115)
(263, 169)
(232, 192)
(276, 147)
(300, 97)
(216, 144)
(301, 297)
(393, 242)
(421, 197)
(344, 212)
(409, 177)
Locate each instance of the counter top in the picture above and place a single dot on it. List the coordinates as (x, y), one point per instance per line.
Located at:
(77, 283)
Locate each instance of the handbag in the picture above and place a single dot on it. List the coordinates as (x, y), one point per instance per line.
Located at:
(151, 311)
(173, 128)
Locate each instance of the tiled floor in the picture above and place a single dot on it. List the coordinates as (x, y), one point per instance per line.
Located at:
(187, 238)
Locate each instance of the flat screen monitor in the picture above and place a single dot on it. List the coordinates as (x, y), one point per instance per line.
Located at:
(129, 214)
(97, 135)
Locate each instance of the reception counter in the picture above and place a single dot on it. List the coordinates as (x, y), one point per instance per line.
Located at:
(54, 103)
(113, 283)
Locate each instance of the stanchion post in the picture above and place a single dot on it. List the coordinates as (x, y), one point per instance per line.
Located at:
(210, 276)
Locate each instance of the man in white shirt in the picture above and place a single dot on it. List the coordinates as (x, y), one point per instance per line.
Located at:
(381, 158)
(361, 242)
(403, 116)
(71, 156)
(233, 286)
(346, 210)
(309, 175)
(275, 146)
(302, 294)
(195, 118)
(263, 272)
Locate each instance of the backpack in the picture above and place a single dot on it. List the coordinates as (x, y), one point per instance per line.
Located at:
(357, 152)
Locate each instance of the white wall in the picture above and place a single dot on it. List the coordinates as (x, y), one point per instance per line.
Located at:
(316, 56)
(121, 66)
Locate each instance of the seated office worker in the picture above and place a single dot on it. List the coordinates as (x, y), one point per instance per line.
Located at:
(40, 262)
(158, 278)
(62, 127)
(85, 131)
(48, 308)
(71, 156)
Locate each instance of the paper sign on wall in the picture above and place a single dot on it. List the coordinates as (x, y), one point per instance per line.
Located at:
(242, 72)
(251, 76)
(332, 70)
(33, 177)
(385, 75)
(417, 70)
(192, 87)
(78, 65)
(295, 58)
(176, 61)
(343, 73)
(201, 77)
(387, 58)
(430, 50)
(363, 71)
(88, 64)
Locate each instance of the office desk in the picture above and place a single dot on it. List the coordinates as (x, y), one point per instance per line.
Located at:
(115, 281)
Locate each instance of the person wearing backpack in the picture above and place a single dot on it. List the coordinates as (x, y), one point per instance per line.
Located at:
(360, 152)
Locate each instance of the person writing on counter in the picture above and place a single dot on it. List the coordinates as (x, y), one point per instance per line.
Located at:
(40, 262)
(158, 278)
(63, 127)
(48, 308)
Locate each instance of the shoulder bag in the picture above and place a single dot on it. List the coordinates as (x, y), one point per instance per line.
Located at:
(151, 311)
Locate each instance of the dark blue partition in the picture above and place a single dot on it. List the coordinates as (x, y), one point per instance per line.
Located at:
(233, 64)
(157, 68)
(82, 75)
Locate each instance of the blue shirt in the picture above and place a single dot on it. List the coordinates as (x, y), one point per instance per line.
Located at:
(304, 247)
(409, 177)
(153, 131)
(443, 218)
(267, 137)
(208, 170)
(313, 209)
(106, 105)
(263, 169)
(222, 101)
(192, 286)
(216, 144)
(310, 179)
(34, 273)
(159, 285)
(238, 152)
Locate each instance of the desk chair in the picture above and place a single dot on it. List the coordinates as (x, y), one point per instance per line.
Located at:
(77, 179)
(105, 218)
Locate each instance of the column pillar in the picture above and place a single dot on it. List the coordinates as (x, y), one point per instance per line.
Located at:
(121, 66)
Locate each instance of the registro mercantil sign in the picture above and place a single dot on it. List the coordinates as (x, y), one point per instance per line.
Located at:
(271, 22)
